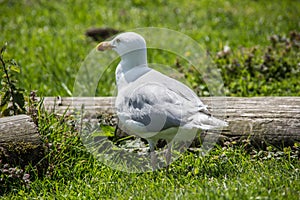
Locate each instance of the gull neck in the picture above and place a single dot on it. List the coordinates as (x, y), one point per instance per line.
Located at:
(134, 59)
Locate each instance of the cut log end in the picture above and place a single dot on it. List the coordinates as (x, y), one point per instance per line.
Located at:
(20, 142)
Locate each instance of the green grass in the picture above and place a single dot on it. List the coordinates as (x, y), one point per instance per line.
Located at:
(230, 172)
(242, 179)
(47, 39)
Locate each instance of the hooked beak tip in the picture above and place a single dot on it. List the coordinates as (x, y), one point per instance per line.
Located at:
(104, 46)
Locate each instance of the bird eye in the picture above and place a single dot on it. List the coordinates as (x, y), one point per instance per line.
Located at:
(118, 40)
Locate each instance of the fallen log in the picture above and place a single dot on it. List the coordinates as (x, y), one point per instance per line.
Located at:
(20, 142)
(262, 120)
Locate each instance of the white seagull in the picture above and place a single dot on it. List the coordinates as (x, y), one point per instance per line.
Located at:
(150, 104)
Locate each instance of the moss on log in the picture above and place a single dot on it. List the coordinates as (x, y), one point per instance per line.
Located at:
(20, 143)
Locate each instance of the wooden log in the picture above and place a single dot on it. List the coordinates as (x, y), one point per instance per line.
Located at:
(20, 142)
(263, 120)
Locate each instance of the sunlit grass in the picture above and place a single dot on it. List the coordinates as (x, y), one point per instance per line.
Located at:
(47, 39)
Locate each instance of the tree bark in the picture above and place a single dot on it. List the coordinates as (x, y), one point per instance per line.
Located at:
(261, 120)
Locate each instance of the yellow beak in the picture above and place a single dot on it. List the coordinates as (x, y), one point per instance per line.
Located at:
(104, 46)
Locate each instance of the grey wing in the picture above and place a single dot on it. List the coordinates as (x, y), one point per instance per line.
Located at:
(187, 94)
(156, 107)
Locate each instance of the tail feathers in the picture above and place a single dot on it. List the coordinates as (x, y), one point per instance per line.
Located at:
(205, 122)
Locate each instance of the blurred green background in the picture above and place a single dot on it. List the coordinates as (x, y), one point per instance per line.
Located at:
(47, 39)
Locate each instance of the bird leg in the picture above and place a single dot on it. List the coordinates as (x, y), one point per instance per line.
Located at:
(116, 130)
(153, 160)
(152, 155)
(168, 156)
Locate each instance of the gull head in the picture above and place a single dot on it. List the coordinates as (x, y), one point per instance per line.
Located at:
(124, 43)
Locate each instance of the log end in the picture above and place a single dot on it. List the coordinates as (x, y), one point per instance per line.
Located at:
(21, 153)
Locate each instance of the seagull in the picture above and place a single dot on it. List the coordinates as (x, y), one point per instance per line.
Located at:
(150, 104)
